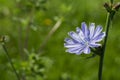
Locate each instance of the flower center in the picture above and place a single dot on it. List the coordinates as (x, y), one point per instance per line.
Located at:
(87, 43)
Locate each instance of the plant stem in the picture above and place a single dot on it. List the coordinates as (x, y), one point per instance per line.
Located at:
(111, 1)
(108, 22)
(52, 31)
(9, 59)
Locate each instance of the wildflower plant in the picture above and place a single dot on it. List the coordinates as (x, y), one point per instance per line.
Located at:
(87, 39)
(83, 39)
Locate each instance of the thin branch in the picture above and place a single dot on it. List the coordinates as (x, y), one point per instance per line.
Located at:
(9, 59)
(52, 31)
(28, 29)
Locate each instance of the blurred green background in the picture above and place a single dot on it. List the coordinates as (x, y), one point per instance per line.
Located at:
(35, 31)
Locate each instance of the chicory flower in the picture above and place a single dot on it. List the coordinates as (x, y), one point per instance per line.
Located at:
(85, 38)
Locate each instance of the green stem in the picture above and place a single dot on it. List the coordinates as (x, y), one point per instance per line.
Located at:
(111, 1)
(108, 22)
(9, 59)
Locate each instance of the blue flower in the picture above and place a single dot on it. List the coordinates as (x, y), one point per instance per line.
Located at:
(83, 39)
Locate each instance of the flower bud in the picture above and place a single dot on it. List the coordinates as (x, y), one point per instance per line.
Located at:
(107, 7)
(116, 6)
(4, 38)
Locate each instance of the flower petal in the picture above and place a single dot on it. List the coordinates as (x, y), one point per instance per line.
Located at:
(85, 30)
(97, 31)
(87, 50)
(78, 30)
(94, 45)
(80, 34)
(74, 50)
(70, 41)
(92, 27)
(72, 45)
(99, 37)
(74, 36)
